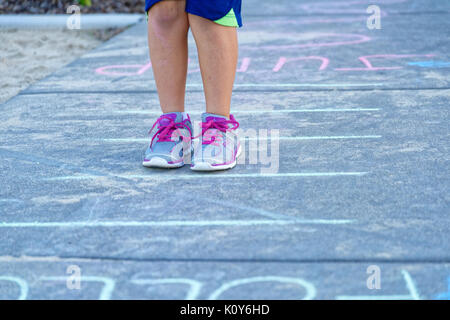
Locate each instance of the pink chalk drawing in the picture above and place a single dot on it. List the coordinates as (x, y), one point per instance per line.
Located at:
(344, 39)
(140, 69)
(370, 67)
(283, 60)
(244, 65)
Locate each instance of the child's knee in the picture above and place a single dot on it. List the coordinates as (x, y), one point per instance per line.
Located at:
(167, 12)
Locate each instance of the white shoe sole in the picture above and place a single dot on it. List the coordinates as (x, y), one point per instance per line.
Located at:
(156, 162)
(205, 166)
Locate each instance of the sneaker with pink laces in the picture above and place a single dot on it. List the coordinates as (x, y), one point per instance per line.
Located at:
(171, 141)
(218, 146)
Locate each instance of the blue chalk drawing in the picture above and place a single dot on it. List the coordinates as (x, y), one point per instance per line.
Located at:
(309, 287)
(108, 284)
(411, 285)
(430, 64)
(445, 295)
(194, 285)
(23, 285)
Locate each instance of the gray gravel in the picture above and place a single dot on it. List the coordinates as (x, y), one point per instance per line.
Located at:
(60, 6)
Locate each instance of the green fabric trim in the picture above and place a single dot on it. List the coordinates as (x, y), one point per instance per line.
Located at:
(229, 20)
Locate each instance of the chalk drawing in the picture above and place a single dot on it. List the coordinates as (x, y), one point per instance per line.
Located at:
(141, 69)
(244, 65)
(193, 176)
(283, 60)
(105, 293)
(258, 111)
(194, 285)
(369, 67)
(305, 138)
(23, 285)
(309, 287)
(300, 85)
(170, 223)
(430, 64)
(410, 286)
(342, 40)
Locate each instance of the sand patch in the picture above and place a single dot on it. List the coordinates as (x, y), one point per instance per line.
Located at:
(30, 55)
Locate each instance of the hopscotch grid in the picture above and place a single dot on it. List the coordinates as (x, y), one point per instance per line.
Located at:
(44, 92)
(168, 177)
(64, 258)
(171, 223)
(304, 138)
(252, 112)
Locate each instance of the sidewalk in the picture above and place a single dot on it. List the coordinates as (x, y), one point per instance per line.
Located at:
(87, 21)
(362, 173)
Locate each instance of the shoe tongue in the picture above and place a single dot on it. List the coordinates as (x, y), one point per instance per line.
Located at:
(175, 116)
(211, 116)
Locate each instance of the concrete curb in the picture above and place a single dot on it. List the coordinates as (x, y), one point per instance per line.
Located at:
(87, 21)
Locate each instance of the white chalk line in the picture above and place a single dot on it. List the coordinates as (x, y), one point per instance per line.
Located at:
(410, 285)
(305, 138)
(287, 85)
(23, 285)
(253, 112)
(173, 223)
(168, 177)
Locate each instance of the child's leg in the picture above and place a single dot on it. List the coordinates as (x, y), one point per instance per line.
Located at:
(167, 37)
(217, 47)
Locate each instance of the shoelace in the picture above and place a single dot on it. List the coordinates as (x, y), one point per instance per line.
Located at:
(211, 137)
(165, 131)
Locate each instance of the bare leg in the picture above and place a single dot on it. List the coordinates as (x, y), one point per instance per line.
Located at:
(217, 47)
(167, 38)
